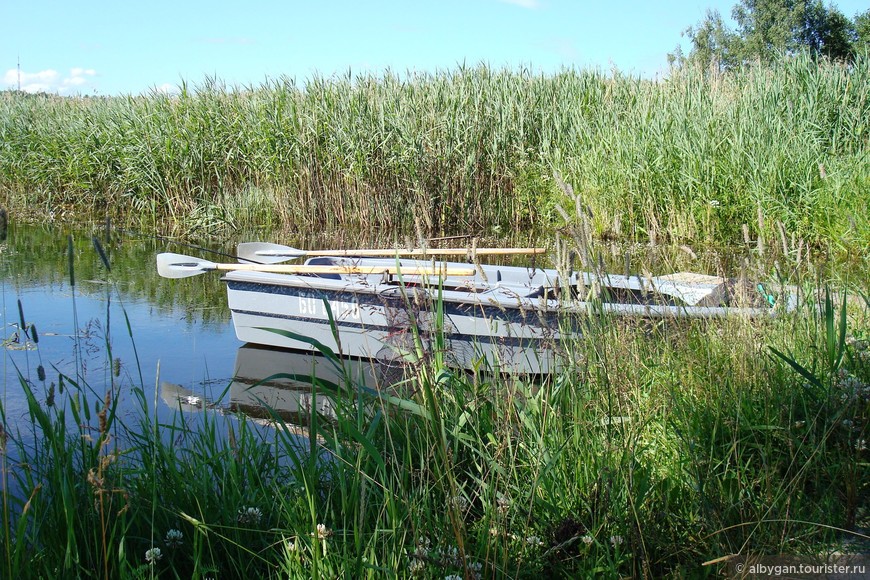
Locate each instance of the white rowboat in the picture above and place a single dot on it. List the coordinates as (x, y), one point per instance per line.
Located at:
(512, 319)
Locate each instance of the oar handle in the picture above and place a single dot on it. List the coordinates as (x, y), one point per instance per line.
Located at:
(349, 269)
(180, 266)
(414, 252)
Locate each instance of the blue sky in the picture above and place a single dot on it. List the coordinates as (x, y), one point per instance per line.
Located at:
(117, 47)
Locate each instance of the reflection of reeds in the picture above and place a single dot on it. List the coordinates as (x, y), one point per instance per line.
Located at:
(690, 157)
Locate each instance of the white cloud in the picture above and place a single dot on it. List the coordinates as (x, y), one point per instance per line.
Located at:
(530, 4)
(50, 81)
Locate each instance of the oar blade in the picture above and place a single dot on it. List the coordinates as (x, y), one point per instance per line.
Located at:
(266, 253)
(180, 266)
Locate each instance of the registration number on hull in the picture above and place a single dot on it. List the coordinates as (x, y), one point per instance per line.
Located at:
(318, 307)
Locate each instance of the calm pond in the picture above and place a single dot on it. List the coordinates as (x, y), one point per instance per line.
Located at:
(128, 328)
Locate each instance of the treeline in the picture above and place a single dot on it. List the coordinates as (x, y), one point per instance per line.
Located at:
(767, 29)
(696, 155)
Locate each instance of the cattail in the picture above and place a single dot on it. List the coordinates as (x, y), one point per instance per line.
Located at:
(40, 373)
(21, 318)
(103, 412)
(99, 247)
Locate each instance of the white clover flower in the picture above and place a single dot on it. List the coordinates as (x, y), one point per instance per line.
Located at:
(153, 556)
(494, 532)
(587, 539)
(616, 541)
(534, 541)
(423, 547)
(715, 203)
(322, 532)
(250, 516)
(174, 538)
(453, 577)
(861, 445)
(290, 546)
(503, 503)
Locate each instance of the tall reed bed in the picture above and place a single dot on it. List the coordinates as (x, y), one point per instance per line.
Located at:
(658, 448)
(693, 155)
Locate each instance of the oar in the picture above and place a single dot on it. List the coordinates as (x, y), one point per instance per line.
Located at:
(266, 253)
(181, 266)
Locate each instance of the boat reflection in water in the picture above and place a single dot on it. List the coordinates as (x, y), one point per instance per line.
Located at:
(270, 383)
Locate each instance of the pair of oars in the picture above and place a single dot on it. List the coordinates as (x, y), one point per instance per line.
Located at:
(269, 257)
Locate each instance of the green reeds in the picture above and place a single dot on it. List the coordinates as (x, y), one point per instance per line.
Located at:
(694, 156)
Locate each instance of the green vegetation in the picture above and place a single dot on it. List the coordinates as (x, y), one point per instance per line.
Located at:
(658, 448)
(695, 156)
(766, 29)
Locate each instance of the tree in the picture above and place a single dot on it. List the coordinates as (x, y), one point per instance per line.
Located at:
(768, 28)
(712, 43)
(827, 32)
(862, 32)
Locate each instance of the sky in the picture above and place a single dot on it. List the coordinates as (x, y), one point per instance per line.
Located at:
(102, 47)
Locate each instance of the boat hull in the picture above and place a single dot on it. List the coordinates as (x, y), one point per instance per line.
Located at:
(507, 319)
(392, 323)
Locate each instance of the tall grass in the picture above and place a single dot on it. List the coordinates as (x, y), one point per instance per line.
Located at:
(659, 447)
(694, 155)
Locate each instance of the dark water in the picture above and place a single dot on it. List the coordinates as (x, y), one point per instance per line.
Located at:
(125, 329)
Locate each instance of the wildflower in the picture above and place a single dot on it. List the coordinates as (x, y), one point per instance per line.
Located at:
(861, 445)
(799, 424)
(451, 556)
(453, 577)
(616, 541)
(174, 538)
(250, 516)
(502, 503)
(323, 532)
(423, 547)
(494, 532)
(587, 539)
(153, 555)
(291, 547)
(534, 541)
(474, 570)
(714, 203)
